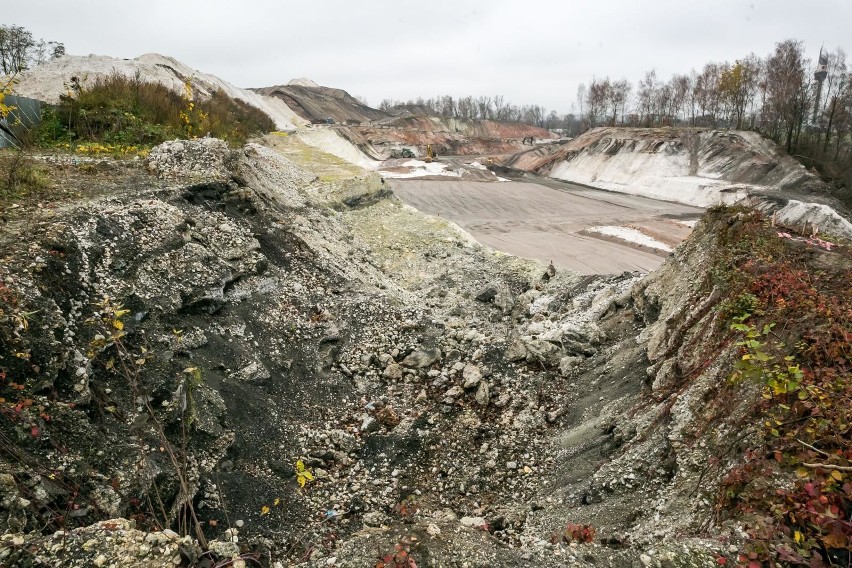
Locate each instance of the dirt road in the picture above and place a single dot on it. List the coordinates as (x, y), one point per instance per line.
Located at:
(547, 222)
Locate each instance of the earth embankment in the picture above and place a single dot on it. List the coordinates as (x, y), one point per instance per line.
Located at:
(693, 166)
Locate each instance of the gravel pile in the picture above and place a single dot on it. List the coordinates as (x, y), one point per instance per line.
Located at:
(203, 158)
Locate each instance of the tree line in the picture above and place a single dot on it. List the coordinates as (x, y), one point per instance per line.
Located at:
(777, 95)
(20, 51)
(477, 108)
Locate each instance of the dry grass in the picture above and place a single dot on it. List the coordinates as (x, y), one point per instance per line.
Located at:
(20, 176)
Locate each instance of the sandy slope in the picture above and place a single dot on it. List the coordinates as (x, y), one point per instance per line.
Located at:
(313, 102)
(330, 141)
(697, 167)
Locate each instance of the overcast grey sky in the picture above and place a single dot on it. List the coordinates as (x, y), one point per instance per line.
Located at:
(529, 51)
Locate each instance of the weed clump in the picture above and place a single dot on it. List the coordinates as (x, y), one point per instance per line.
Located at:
(20, 176)
(789, 314)
(120, 114)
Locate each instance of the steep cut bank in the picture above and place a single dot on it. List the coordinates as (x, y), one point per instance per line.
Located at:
(338, 142)
(380, 135)
(693, 166)
(226, 346)
(447, 136)
(51, 80)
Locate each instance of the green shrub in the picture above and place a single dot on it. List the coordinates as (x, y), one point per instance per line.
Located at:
(124, 111)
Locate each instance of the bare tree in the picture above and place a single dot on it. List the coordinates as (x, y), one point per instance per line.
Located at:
(647, 97)
(39, 52)
(466, 107)
(616, 95)
(502, 108)
(19, 50)
(448, 106)
(16, 45)
(539, 114)
(683, 87)
(707, 93)
(837, 89)
(663, 103)
(787, 89)
(485, 108)
(514, 113)
(843, 123)
(43, 51)
(596, 99)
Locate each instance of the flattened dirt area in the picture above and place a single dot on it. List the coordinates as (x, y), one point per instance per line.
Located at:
(553, 222)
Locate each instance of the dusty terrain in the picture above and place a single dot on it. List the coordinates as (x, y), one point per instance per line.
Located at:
(466, 406)
(226, 356)
(549, 223)
(447, 136)
(381, 135)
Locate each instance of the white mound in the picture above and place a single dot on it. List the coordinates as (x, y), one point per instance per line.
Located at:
(50, 80)
(695, 167)
(303, 82)
(657, 176)
(806, 216)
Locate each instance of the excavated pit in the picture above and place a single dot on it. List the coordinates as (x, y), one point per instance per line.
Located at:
(269, 341)
(458, 402)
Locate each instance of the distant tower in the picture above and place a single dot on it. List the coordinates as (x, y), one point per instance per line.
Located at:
(820, 75)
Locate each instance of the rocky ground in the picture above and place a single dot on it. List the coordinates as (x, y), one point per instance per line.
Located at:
(224, 358)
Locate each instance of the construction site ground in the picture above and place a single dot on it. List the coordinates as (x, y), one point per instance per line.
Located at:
(551, 221)
(532, 217)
